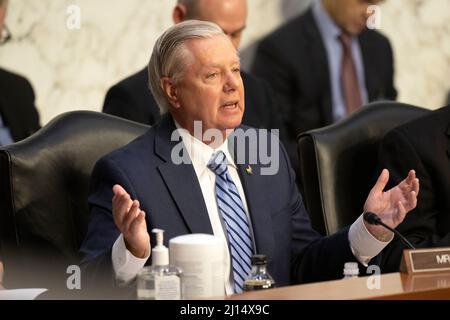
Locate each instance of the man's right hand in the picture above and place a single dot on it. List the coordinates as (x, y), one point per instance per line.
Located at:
(130, 220)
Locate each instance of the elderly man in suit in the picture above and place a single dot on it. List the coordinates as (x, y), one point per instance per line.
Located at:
(423, 144)
(18, 115)
(131, 99)
(196, 79)
(325, 64)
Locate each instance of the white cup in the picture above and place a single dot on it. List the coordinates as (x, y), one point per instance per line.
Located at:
(201, 257)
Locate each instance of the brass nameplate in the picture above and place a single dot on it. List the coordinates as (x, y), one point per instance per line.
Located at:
(426, 260)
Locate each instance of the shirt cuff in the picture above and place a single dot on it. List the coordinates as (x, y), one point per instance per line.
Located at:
(363, 244)
(126, 266)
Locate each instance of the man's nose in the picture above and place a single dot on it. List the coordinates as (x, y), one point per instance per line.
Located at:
(231, 82)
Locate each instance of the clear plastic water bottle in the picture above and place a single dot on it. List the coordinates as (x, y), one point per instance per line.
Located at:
(259, 278)
(351, 270)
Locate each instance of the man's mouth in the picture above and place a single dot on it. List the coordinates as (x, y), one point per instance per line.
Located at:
(231, 104)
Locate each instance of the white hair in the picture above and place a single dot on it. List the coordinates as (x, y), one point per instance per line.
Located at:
(170, 56)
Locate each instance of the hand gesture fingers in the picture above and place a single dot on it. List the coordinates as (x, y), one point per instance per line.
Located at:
(130, 220)
(381, 182)
(121, 204)
(130, 216)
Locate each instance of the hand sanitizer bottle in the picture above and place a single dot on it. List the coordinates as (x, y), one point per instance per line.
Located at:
(160, 281)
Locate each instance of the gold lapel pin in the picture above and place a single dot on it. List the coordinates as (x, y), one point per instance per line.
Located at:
(249, 170)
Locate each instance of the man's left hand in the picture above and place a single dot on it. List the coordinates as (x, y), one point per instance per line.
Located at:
(392, 205)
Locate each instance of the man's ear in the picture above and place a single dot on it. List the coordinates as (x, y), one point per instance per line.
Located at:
(179, 13)
(170, 89)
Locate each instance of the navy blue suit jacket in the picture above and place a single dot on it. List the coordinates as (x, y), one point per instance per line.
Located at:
(170, 195)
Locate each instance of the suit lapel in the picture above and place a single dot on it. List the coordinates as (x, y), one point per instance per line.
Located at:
(184, 188)
(257, 206)
(371, 70)
(181, 181)
(319, 64)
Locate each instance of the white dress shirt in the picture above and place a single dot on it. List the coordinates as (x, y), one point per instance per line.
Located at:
(126, 266)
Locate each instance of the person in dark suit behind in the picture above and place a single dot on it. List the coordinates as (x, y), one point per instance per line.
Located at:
(423, 144)
(131, 99)
(18, 115)
(324, 64)
(195, 77)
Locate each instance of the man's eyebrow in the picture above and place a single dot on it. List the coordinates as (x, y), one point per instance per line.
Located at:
(215, 65)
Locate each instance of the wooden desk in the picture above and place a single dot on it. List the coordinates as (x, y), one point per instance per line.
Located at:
(393, 286)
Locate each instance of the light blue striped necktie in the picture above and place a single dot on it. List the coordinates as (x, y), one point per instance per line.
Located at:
(232, 209)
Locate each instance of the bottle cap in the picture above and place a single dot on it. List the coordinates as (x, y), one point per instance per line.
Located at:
(160, 253)
(259, 259)
(351, 269)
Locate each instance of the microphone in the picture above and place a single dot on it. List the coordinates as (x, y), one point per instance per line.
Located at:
(373, 219)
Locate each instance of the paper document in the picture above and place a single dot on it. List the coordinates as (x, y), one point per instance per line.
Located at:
(21, 294)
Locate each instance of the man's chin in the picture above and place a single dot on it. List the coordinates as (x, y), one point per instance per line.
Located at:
(356, 29)
(231, 124)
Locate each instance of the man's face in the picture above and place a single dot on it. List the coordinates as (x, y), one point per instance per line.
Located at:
(211, 88)
(351, 15)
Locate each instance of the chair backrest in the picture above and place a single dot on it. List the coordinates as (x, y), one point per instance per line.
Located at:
(44, 182)
(338, 163)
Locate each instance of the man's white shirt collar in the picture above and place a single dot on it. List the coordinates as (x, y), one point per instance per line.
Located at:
(200, 153)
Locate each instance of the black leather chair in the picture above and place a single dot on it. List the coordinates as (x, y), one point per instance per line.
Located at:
(338, 163)
(43, 194)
